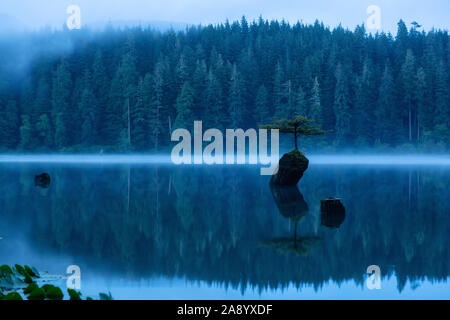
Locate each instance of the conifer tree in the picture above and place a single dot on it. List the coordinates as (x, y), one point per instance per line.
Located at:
(408, 85)
(342, 108)
(112, 119)
(184, 106)
(26, 131)
(214, 115)
(314, 102)
(262, 104)
(423, 119)
(9, 125)
(100, 89)
(301, 104)
(139, 119)
(44, 131)
(235, 104)
(385, 128)
(279, 93)
(89, 114)
(442, 94)
(199, 85)
(61, 111)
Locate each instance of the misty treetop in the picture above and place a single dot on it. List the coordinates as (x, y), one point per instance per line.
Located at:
(129, 89)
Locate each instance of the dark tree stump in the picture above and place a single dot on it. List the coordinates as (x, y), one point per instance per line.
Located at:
(332, 213)
(42, 180)
(290, 169)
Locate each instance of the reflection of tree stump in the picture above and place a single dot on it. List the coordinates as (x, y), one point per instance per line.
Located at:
(333, 212)
(290, 202)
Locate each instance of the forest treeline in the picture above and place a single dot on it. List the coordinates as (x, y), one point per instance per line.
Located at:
(126, 90)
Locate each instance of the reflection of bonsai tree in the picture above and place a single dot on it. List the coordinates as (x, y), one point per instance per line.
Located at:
(292, 205)
(297, 126)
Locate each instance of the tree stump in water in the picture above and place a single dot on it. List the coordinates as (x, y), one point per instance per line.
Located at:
(290, 169)
(332, 212)
(42, 180)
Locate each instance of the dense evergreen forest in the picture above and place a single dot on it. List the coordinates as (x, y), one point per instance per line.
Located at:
(126, 90)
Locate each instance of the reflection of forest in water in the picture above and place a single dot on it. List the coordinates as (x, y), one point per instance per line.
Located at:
(211, 223)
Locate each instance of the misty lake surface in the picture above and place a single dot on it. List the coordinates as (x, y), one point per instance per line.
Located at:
(152, 230)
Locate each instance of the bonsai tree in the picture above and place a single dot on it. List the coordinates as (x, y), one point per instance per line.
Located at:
(299, 125)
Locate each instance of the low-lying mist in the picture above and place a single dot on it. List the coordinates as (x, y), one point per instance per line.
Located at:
(315, 159)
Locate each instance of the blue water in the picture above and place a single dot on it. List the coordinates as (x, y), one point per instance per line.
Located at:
(143, 228)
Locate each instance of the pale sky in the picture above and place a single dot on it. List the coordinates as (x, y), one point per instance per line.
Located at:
(40, 13)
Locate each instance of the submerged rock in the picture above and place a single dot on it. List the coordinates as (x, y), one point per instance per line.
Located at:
(290, 169)
(333, 213)
(42, 180)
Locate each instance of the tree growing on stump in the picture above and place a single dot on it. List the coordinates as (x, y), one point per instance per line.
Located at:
(298, 126)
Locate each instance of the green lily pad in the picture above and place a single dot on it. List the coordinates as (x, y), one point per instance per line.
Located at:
(13, 296)
(37, 294)
(6, 269)
(30, 288)
(31, 272)
(74, 295)
(52, 292)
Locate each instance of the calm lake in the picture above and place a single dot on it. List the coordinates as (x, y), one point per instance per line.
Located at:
(158, 231)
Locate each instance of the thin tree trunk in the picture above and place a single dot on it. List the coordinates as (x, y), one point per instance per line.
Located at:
(129, 188)
(295, 235)
(170, 126)
(418, 129)
(170, 184)
(129, 123)
(410, 125)
(295, 137)
(157, 128)
(409, 190)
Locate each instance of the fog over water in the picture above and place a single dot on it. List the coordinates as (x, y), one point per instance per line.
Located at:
(315, 159)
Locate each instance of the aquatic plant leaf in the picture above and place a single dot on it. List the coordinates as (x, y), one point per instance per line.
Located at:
(13, 296)
(37, 294)
(104, 296)
(74, 295)
(8, 281)
(52, 292)
(30, 288)
(31, 272)
(20, 270)
(28, 279)
(6, 269)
